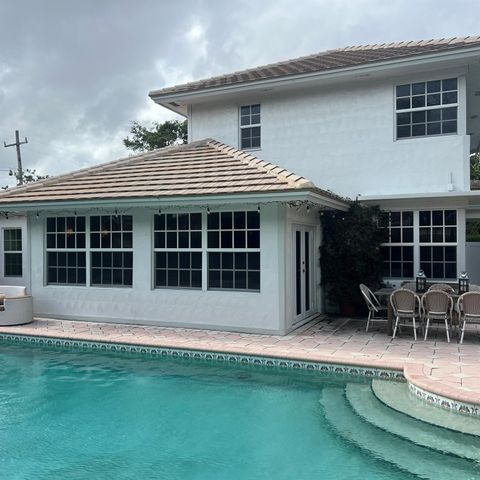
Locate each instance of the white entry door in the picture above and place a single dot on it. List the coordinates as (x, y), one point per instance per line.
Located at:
(303, 272)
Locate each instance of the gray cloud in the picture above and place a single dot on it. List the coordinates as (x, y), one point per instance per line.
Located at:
(74, 74)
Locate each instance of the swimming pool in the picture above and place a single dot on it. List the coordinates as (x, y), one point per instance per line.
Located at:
(79, 415)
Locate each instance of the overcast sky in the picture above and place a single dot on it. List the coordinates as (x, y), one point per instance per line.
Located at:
(73, 74)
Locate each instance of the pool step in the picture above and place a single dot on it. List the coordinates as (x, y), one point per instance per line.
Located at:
(369, 408)
(397, 396)
(418, 460)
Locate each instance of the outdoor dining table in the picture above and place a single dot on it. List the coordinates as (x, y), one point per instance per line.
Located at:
(386, 292)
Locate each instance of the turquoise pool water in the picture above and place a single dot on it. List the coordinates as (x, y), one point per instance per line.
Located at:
(81, 415)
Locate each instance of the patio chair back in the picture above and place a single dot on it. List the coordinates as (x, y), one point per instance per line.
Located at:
(470, 304)
(443, 287)
(436, 302)
(410, 286)
(370, 299)
(403, 301)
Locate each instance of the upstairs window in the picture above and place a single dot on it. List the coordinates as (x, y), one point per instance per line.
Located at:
(250, 129)
(427, 108)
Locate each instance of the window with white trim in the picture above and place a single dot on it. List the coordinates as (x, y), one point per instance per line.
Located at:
(12, 252)
(397, 253)
(233, 250)
(178, 250)
(250, 128)
(111, 250)
(426, 108)
(438, 243)
(66, 251)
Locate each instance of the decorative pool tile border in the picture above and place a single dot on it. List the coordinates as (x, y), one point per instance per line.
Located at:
(444, 402)
(89, 345)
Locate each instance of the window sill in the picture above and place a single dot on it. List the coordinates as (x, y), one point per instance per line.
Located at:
(251, 149)
(405, 139)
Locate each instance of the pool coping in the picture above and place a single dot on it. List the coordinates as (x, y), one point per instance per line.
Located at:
(418, 383)
(218, 355)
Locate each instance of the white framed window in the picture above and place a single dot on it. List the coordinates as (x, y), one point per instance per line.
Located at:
(397, 252)
(426, 108)
(111, 250)
(421, 239)
(438, 243)
(12, 252)
(250, 126)
(65, 251)
(233, 250)
(178, 250)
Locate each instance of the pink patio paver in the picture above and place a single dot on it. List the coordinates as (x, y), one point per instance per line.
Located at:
(447, 369)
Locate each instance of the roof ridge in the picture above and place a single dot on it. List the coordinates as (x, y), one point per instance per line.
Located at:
(246, 158)
(410, 43)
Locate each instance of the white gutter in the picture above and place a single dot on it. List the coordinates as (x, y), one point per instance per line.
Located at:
(409, 196)
(158, 202)
(156, 95)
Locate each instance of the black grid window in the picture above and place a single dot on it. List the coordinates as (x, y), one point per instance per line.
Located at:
(66, 255)
(234, 230)
(438, 243)
(178, 269)
(397, 252)
(234, 250)
(237, 271)
(178, 250)
(250, 129)
(12, 248)
(427, 108)
(111, 256)
(111, 231)
(112, 269)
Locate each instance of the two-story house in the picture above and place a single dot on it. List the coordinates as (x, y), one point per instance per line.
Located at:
(224, 232)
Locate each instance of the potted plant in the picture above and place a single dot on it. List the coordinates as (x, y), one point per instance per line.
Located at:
(350, 254)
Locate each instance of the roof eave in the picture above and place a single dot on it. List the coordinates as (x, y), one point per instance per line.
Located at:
(311, 195)
(166, 99)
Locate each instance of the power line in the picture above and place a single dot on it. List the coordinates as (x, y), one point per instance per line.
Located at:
(19, 155)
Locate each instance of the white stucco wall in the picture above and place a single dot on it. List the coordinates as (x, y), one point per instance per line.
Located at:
(233, 310)
(343, 138)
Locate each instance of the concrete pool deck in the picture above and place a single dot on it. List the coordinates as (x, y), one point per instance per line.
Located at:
(445, 369)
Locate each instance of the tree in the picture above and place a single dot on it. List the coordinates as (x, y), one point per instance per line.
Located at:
(29, 176)
(160, 135)
(350, 253)
(475, 166)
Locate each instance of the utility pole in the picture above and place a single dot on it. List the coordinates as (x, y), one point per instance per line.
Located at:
(19, 156)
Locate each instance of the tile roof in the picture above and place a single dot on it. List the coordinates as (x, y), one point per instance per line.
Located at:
(328, 60)
(205, 167)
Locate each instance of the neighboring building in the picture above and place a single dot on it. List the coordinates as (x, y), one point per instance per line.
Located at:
(208, 235)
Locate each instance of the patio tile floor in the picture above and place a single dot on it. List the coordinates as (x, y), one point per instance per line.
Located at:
(443, 368)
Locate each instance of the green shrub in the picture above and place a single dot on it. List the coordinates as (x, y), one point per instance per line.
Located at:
(350, 252)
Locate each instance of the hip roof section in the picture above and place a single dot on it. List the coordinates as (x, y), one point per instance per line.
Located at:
(205, 167)
(340, 58)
